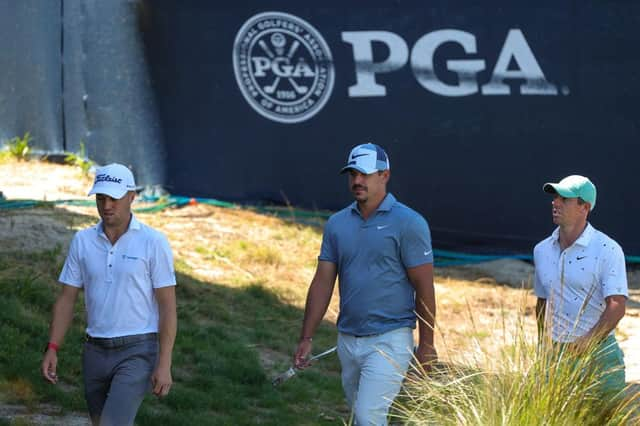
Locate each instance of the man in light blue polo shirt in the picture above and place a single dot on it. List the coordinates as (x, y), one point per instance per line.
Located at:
(381, 251)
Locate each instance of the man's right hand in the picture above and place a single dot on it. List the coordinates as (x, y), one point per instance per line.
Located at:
(426, 356)
(49, 366)
(62, 316)
(301, 358)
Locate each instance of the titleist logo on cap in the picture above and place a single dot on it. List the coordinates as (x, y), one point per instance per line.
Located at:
(107, 178)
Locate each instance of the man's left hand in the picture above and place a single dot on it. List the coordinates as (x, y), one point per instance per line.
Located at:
(580, 346)
(161, 380)
(426, 356)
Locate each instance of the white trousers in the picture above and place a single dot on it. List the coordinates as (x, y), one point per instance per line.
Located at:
(373, 368)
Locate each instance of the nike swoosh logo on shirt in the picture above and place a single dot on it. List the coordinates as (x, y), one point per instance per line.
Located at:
(382, 227)
(580, 257)
(427, 253)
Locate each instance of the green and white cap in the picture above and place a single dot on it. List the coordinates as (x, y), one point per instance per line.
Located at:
(574, 186)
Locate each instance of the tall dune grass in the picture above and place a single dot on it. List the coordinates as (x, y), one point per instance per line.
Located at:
(525, 382)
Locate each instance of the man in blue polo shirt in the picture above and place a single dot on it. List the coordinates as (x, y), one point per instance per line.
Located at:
(381, 250)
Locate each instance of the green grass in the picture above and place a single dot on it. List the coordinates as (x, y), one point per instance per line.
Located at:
(218, 372)
(25, 282)
(17, 148)
(80, 160)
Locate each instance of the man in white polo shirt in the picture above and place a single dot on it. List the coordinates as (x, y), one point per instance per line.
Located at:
(581, 281)
(126, 271)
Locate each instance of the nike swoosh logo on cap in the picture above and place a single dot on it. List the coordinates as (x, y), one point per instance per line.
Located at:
(359, 155)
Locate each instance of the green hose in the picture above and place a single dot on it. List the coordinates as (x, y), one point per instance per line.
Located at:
(443, 257)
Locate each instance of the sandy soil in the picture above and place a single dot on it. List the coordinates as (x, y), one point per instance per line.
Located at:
(42, 181)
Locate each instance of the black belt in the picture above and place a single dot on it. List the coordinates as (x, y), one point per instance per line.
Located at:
(116, 342)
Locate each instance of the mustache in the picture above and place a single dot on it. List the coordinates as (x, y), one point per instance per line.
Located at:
(354, 187)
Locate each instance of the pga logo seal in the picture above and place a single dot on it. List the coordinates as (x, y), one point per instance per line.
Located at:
(283, 67)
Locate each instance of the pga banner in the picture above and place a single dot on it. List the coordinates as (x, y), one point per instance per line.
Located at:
(285, 69)
(477, 106)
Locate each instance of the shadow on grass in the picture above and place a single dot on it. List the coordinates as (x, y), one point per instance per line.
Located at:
(230, 345)
(231, 342)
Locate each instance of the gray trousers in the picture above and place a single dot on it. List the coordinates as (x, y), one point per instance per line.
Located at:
(116, 379)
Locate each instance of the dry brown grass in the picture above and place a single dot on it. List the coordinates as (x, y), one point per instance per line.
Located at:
(236, 248)
(472, 314)
(20, 389)
(39, 180)
(239, 247)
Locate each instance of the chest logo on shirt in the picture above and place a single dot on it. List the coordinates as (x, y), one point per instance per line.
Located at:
(379, 227)
(580, 257)
(126, 257)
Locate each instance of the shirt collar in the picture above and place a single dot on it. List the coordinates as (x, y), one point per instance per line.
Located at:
(583, 240)
(385, 206)
(133, 224)
(387, 203)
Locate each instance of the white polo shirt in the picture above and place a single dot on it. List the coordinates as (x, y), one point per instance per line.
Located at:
(118, 280)
(576, 281)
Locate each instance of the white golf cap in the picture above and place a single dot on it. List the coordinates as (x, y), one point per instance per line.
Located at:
(114, 180)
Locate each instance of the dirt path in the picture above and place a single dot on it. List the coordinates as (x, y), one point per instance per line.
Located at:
(47, 415)
(629, 335)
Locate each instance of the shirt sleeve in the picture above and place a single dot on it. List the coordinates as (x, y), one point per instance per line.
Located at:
(539, 289)
(415, 244)
(162, 270)
(328, 249)
(71, 273)
(613, 271)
